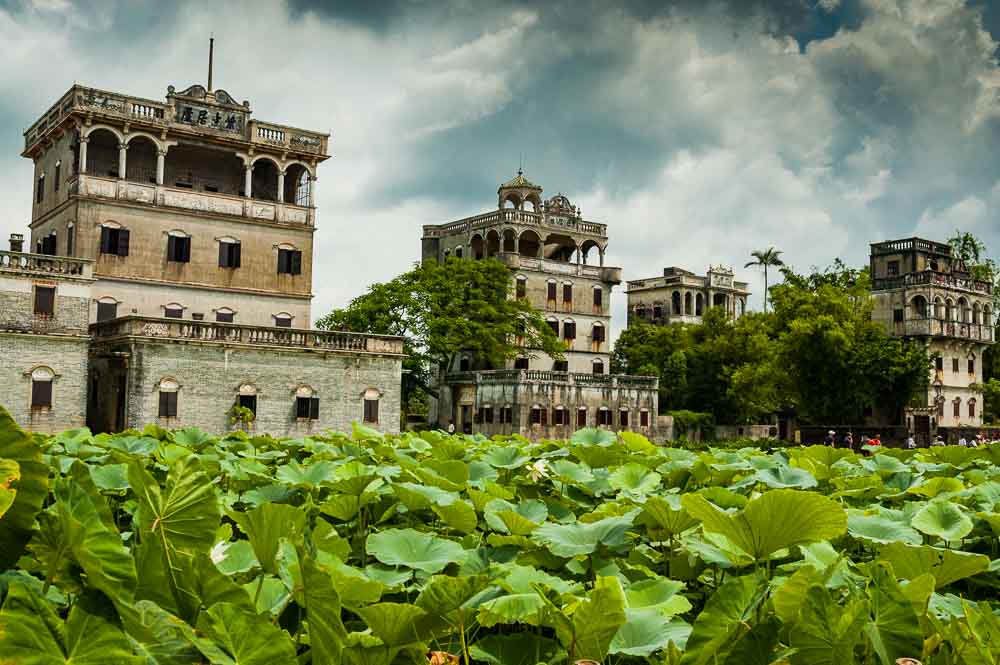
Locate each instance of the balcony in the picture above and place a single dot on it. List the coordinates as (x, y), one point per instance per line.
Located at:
(132, 327)
(516, 217)
(548, 266)
(927, 327)
(521, 376)
(43, 265)
(910, 245)
(185, 199)
(933, 279)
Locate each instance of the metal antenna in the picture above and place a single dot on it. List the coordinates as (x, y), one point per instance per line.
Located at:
(211, 49)
(520, 163)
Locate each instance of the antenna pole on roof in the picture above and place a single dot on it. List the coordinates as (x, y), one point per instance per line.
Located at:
(211, 49)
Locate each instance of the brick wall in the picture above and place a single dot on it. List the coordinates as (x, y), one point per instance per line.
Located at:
(67, 357)
(210, 377)
(17, 306)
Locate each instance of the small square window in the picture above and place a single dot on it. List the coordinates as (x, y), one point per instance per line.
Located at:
(224, 317)
(897, 316)
(560, 366)
(520, 363)
(371, 411)
(892, 268)
(178, 249)
(173, 312)
(114, 241)
(249, 402)
(229, 255)
(307, 408)
(283, 322)
(289, 262)
(107, 311)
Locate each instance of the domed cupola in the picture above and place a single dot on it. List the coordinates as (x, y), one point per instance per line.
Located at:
(518, 192)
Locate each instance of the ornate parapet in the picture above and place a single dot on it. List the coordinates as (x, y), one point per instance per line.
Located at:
(522, 376)
(212, 332)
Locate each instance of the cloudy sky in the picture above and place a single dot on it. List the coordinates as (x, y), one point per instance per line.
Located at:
(698, 131)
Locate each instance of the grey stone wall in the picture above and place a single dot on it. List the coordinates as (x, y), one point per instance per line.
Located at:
(17, 311)
(66, 356)
(210, 376)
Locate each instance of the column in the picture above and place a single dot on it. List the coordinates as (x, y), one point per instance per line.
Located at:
(248, 181)
(312, 191)
(160, 163)
(122, 151)
(281, 186)
(602, 256)
(84, 140)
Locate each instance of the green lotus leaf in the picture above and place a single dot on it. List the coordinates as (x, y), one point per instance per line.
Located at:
(513, 608)
(592, 436)
(774, 521)
(938, 487)
(184, 513)
(245, 637)
(413, 549)
(322, 606)
(757, 647)
(308, 476)
(947, 566)
(879, 528)
(785, 476)
(10, 473)
(507, 457)
(894, 628)
(571, 472)
(193, 438)
(458, 515)
(587, 633)
(944, 520)
(522, 579)
(666, 515)
(139, 446)
(396, 624)
(826, 632)
(32, 634)
(658, 594)
(110, 477)
(18, 523)
(569, 540)
(447, 596)
(265, 526)
(232, 558)
(645, 632)
(518, 520)
(516, 649)
(456, 471)
(724, 620)
(634, 478)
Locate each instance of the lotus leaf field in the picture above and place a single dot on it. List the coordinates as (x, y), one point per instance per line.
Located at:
(178, 547)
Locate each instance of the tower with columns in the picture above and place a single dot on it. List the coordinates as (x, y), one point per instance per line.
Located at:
(189, 207)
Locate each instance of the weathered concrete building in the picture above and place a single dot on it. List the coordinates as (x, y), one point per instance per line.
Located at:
(556, 258)
(182, 232)
(680, 296)
(923, 291)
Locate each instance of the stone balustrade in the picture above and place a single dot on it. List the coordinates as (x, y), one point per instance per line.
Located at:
(931, 278)
(930, 327)
(171, 197)
(512, 376)
(44, 264)
(520, 217)
(234, 333)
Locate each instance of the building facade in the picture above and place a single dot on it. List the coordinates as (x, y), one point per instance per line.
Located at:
(173, 254)
(680, 296)
(922, 291)
(556, 258)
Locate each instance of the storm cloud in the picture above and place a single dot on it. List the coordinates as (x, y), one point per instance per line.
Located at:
(697, 131)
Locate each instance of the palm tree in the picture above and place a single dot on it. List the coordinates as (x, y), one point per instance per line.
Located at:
(767, 257)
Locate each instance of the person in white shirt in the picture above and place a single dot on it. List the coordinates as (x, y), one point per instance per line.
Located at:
(938, 441)
(962, 442)
(910, 443)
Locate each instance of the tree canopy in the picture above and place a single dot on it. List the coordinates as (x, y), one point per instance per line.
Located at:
(445, 309)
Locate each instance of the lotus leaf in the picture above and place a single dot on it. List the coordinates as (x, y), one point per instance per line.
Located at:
(944, 520)
(413, 549)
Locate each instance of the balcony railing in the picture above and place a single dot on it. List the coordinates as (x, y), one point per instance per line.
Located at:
(513, 376)
(44, 264)
(910, 245)
(931, 278)
(172, 197)
(234, 333)
(522, 217)
(928, 327)
(603, 273)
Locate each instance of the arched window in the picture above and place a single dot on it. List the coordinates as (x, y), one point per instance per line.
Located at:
(604, 416)
(964, 311)
(41, 388)
(70, 239)
(569, 330)
(550, 291)
(168, 398)
(225, 315)
(40, 190)
(283, 320)
(477, 246)
(975, 312)
(464, 364)
(107, 308)
(938, 308)
(687, 303)
(553, 323)
(560, 416)
(230, 252)
(919, 307)
(623, 419)
(675, 303)
(538, 415)
(972, 407)
(371, 399)
(306, 403)
(643, 418)
(521, 286)
(699, 304)
(956, 407)
(247, 397)
(597, 333)
(949, 310)
(178, 246)
(581, 417)
(598, 298)
(598, 366)
(567, 293)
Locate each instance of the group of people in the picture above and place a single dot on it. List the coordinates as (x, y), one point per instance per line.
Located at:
(847, 441)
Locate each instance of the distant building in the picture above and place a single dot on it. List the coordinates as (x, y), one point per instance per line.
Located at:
(922, 291)
(680, 296)
(182, 232)
(556, 258)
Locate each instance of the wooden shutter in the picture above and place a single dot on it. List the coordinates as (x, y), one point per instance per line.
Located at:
(545, 416)
(598, 297)
(551, 289)
(224, 255)
(644, 418)
(185, 247)
(235, 255)
(105, 240)
(296, 262)
(41, 394)
(122, 242)
(45, 297)
(314, 408)
(371, 410)
(168, 404)
(301, 407)
(283, 262)
(569, 330)
(581, 418)
(567, 293)
(172, 248)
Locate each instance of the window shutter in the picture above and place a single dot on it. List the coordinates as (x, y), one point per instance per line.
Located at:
(224, 255)
(105, 240)
(122, 242)
(235, 262)
(545, 416)
(314, 408)
(296, 262)
(185, 250)
(567, 293)
(597, 297)
(172, 248)
(284, 265)
(552, 291)
(45, 300)
(41, 393)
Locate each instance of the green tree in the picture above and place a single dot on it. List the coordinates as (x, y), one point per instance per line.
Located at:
(765, 258)
(445, 309)
(972, 251)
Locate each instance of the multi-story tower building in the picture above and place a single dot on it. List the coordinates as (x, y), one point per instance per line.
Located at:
(189, 208)
(680, 296)
(557, 262)
(182, 232)
(923, 291)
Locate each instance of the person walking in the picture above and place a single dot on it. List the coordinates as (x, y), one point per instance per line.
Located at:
(849, 441)
(830, 439)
